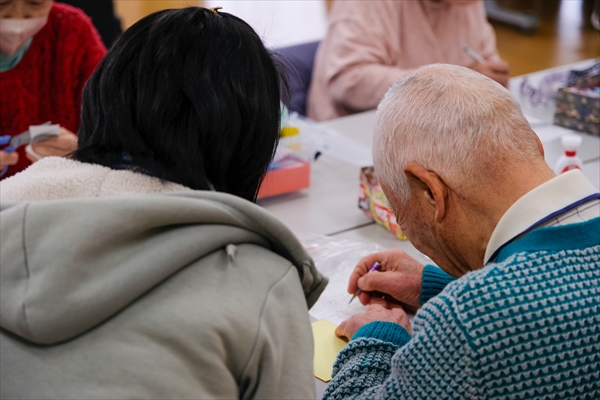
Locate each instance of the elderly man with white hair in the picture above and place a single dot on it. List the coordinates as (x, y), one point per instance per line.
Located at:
(513, 311)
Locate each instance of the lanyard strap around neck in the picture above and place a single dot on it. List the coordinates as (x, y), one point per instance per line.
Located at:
(544, 220)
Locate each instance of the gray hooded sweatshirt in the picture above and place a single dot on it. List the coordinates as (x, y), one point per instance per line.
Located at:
(197, 295)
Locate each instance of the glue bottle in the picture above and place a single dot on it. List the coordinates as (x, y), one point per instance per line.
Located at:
(569, 159)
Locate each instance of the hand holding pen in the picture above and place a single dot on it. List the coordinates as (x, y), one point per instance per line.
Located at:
(495, 69)
(471, 53)
(398, 276)
(374, 267)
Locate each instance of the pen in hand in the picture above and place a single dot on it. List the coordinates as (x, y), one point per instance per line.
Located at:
(471, 53)
(374, 267)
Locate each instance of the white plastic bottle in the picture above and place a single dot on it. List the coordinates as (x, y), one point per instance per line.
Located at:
(569, 159)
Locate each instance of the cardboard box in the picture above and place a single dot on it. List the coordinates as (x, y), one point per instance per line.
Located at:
(373, 202)
(578, 106)
(292, 175)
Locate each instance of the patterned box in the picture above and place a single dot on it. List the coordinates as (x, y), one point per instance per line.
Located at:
(373, 202)
(578, 106)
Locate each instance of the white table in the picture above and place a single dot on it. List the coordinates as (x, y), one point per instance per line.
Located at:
(328, 206)
(359, 126)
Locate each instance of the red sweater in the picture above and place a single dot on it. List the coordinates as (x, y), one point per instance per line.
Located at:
(46, 84)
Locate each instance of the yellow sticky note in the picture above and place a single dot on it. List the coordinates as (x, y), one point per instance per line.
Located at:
(327, 347)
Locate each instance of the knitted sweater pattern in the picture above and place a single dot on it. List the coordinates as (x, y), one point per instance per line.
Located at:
(524, 328)
(46, 85)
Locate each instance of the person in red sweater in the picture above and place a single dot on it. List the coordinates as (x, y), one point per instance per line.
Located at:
(48, 51)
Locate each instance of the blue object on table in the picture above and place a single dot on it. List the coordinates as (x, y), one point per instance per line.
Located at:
(297, 62)
(14, 142)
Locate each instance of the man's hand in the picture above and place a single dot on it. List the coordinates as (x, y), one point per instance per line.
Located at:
(8, 159)
(62, 145)
(399, 277)
(379, 310)
(494, 69)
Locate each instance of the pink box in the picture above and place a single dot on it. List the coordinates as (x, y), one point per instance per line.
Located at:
(295, 175)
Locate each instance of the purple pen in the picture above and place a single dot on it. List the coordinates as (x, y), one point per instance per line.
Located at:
(374, 267)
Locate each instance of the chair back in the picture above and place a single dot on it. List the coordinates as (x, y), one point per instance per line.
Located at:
(298, 63)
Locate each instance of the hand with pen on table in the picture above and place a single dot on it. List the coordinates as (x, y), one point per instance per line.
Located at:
(390, 290)
(41, 141)
(495, 69)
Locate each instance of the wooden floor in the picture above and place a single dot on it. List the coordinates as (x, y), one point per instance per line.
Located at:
(564, 35)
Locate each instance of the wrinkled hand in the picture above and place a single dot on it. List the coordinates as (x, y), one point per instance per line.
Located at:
(494, 69)
(379, 310)
(399, 276)
(8, 159)
(62, 145)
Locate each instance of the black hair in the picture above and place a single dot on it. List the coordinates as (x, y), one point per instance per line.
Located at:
(189, 96)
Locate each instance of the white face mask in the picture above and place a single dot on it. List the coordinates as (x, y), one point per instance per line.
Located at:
(15, 32)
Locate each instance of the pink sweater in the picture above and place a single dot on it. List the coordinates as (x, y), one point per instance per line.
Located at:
(371, 44)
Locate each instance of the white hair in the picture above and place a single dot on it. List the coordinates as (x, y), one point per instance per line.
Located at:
(450, 120)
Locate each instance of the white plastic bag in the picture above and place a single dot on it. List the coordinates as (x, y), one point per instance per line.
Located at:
(336, 259)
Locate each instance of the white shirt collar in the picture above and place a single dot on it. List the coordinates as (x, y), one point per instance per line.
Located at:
(549, 197)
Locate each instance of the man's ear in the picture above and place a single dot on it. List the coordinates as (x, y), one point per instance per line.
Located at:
(429, 187)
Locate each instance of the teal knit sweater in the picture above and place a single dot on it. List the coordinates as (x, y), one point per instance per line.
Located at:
(524, 327)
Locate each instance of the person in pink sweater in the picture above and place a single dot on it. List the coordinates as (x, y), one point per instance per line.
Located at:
(371, 44)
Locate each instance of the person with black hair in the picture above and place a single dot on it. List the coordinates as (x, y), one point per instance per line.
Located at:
(141, 267)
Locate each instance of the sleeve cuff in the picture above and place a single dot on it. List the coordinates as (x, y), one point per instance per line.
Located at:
(386, 331)
(434, 281)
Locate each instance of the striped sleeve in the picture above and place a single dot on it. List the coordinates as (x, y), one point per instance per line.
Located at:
(435, 364)
(433, 282)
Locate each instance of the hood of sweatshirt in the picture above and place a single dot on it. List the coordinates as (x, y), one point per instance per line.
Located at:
(67, 265)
